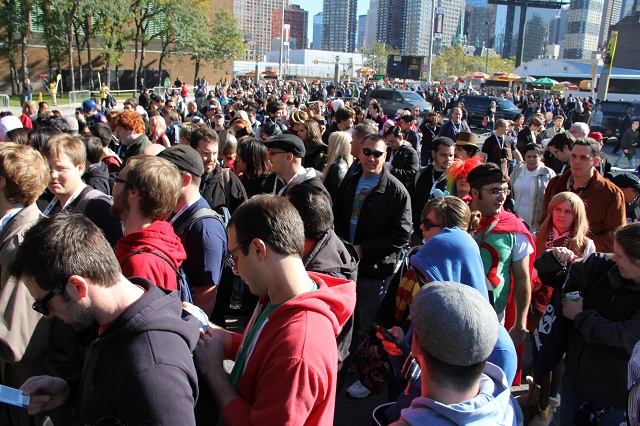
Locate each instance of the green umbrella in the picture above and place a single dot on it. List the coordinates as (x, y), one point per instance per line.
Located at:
(546, 81)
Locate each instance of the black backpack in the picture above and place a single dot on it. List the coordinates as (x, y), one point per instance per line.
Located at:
(184, 291)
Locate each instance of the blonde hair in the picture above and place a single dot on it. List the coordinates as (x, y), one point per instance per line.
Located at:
(579, 229)
(339, 147)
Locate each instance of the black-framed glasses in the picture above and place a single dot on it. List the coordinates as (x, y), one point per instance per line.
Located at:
(119, 180)
(497, 191)
(369, 152)
(230, 260)
(40, 306)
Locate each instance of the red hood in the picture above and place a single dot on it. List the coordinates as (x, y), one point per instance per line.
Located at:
(335, 299)
(159, 237)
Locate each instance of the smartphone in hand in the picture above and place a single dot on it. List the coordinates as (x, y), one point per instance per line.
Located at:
(384, 332)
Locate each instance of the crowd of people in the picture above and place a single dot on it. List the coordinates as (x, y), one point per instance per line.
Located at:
(388, 244)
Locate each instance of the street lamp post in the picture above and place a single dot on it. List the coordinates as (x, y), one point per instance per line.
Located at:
(486, 63)
(336, 73)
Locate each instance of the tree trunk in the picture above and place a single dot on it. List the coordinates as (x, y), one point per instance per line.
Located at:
(78, 51)
(25, 68)
(197, 70)
(14, 77)
(136, 42)
(26, 11)
(70, 46)
(162, 55)
(141, 67)
(107, 76)
(87, 35)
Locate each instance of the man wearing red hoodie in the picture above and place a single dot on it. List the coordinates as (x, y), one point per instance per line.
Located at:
(286, 361)
(145, 192)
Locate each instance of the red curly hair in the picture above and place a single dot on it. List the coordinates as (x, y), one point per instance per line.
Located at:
(129, 120)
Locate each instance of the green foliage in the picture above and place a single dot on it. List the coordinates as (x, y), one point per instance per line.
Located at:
(375, 56)
(215, 42)
(111, 17)
(55, 31)
(453, 61)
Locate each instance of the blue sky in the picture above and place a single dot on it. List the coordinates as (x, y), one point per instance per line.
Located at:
(315, 6)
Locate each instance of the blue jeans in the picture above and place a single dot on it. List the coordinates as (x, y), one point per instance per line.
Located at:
(371, 291)
(571, 403)
(632, 160)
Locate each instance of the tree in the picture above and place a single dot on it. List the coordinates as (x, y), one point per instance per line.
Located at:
(375, 56)
(111, 17)
(53, 34)
(215, 43)
(453, 61)
(11, 27)
(145, 12)
(175, 33)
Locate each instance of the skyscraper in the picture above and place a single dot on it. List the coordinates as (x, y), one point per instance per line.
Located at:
(339, 25)
(391, 23)
(254, 17)
(317, 32)
(362, 28)
(370, 34)
(417, 24)
(588, 26)
(297, 20)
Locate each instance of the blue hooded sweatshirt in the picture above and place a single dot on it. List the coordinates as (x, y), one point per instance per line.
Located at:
(493, 405)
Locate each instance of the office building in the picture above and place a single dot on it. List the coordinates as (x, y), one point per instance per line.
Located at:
(297, 20)
(339, 25)
(362, 29)
(588, 26)
(317, 32)
(370, 34)
(254, 17)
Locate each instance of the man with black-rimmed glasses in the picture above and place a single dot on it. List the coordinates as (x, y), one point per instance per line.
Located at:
(286, 360)
(507, 251)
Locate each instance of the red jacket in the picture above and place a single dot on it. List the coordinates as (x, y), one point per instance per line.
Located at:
(159, 237)
(290, 374)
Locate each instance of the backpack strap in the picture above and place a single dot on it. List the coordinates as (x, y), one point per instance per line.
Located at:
(226, 186)
(198, 215)
(93, 194)
(160, 255)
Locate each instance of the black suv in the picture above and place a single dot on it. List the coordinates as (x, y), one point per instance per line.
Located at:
(612, 113)
(477, 107)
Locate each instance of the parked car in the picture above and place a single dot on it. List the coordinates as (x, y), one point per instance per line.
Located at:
(391, 100)
(477, 107)
(612, 113)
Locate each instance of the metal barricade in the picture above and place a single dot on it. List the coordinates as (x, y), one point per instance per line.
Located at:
(78, 96)
(4, 100)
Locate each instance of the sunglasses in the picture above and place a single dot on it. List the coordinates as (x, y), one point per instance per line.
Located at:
(428, 224)
(230, 260)
(369, 152)
(40, 306)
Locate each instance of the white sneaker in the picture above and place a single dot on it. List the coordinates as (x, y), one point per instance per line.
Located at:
(358, 390)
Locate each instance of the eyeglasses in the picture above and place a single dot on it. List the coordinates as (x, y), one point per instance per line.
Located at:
(40, 306)
(497, 191)
(60, 171)
(230, 260)
(119, 180)
(428, 224)
(369, 152)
